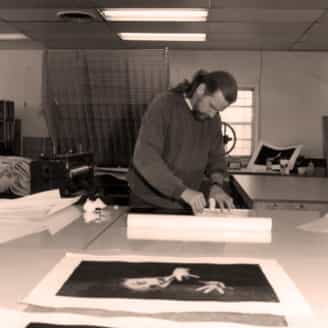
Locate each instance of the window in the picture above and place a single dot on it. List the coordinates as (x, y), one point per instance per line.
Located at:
(240, 116)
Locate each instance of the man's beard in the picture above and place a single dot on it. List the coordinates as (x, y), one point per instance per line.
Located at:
(199, 116)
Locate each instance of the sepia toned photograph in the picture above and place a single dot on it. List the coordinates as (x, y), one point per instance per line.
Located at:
(163, 163)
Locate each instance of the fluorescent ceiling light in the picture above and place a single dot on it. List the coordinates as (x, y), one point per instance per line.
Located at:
(156, 14)
(12, 36)
(163, 36)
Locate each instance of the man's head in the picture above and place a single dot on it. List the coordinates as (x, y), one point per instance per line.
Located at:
(211, 93)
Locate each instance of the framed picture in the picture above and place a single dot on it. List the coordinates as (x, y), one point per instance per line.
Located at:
(265, 152)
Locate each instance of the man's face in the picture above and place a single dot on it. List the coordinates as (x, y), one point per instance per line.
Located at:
(208, 105)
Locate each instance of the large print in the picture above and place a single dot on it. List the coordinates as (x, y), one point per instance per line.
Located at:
(142, 284)
(169, 281)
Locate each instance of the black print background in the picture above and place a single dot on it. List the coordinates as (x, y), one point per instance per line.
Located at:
(104, 280)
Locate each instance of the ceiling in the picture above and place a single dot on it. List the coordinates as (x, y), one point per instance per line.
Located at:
(292, 25)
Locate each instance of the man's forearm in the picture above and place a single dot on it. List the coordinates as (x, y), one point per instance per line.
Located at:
(155, 171)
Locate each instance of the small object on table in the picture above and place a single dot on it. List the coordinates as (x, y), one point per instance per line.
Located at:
(92, 205)
(211, 204)
(284, 166)
(93, 210)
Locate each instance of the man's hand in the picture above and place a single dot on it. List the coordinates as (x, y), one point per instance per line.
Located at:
(221, 198)
(195, 199)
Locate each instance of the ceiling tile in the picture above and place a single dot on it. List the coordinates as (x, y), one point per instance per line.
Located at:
(270, 4)
(263, 15)
(61, 28)
(274, 38)
(261, 28)
(83, 43)
(40, 15)
(102, 3)
(233, 24)
(224, 45)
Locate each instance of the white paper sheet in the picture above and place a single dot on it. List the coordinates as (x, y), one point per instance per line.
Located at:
(319, 225)
(210, 220)
(241, 213)
(59, 220)
(15, 319)
(291, 302)
(35, 213)
(35, 207)
(14, 229)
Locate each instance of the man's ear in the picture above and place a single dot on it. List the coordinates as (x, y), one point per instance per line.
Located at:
(201, 90)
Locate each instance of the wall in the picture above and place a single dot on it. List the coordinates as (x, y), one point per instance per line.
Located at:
(21, 81)
(293, 99)
(292, 89)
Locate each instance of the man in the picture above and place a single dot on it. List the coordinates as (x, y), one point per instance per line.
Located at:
(179, 142)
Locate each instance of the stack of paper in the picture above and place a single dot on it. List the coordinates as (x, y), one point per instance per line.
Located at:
(16, 319)
(36, 213)
(214, 225)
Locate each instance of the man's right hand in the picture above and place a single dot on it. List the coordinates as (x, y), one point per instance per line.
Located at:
(195, 199)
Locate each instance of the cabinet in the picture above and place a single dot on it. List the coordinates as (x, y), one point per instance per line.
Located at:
(7, 126)
(282, 192)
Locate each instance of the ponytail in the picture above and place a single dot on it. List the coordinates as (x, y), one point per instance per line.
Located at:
(213, 81)
(188, 88)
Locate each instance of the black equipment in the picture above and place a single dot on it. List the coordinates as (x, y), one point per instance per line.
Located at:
(72, 173)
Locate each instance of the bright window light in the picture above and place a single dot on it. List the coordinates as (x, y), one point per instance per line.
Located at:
(163, 36)
(241, 116)
(155, 14)
(12, 36)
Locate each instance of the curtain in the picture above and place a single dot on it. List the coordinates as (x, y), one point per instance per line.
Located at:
(94, 100)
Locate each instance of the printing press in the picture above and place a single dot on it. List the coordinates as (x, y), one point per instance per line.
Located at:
(72, 173)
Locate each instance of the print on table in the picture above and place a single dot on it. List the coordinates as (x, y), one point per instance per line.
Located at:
(169, 281)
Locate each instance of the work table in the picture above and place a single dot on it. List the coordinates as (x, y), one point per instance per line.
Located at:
(303, 255)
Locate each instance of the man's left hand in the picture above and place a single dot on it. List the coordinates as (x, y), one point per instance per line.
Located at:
(223, 200)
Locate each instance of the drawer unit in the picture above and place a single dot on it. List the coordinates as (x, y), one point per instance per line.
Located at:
(280, 205)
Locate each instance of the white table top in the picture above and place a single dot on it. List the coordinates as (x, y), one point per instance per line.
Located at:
(303, 255)
(283, 188)
(77, 236)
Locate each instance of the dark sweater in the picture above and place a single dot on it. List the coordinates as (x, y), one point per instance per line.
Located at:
(173, 152)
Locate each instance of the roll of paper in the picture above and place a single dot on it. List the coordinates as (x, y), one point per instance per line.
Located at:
(203, 235)
(209, 221)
